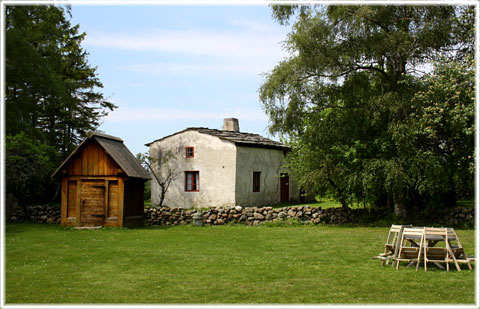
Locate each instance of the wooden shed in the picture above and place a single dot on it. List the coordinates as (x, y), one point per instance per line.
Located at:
(102, 184)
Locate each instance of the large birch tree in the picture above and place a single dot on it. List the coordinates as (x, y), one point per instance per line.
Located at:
(347, 96)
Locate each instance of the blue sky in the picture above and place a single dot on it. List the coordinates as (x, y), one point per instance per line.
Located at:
(168, 67)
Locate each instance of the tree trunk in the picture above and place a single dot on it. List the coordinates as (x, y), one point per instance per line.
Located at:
(343, 202)
(390, 202)
(451, 195)
(160, 204)
(340, 194)
(399, 207)
(162, 196)
(57, 190)
(450, 198)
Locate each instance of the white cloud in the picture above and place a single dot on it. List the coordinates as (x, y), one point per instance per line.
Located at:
(183, 68)
(196, 42)
(253, 25)
(249, 47)
(128, 115)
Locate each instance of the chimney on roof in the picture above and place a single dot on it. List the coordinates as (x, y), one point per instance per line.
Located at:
(231, 124)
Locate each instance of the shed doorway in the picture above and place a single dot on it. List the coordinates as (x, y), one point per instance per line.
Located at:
(284, 188)
(92, 203)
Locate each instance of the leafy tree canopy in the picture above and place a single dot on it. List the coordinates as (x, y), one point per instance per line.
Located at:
(51, 90)
(52, 96)
(348, 96)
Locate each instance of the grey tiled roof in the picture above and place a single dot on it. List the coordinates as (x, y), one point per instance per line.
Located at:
(239, 138)
(124, 158)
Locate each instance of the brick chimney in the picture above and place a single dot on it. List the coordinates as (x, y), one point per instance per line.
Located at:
(231, 124)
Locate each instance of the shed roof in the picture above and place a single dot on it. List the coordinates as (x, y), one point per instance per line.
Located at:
(117, 150)
(239, 138)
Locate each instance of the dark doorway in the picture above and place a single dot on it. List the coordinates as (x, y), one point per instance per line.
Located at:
(284, 188)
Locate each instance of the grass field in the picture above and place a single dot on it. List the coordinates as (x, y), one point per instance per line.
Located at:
(321, 202)
(219, 265)
(324, 202)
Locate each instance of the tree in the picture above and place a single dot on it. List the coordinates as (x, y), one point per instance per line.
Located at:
(29, 165)
(163, 172)
(52, 94)
(51, 90)
(347, 89)
(441, 129)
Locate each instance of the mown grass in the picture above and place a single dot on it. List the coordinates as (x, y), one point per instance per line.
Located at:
(469, 203)
(327, 202)
(324, 202)
(219, 265)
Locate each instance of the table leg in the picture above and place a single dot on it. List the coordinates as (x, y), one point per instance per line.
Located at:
(413, 243)
(411, 263)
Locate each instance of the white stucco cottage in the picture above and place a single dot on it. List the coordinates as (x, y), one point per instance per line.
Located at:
(223, 168)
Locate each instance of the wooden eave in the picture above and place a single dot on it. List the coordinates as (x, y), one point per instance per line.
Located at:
(115, 148)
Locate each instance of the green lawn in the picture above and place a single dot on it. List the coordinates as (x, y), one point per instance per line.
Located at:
(219, 264)
(327, 202)
(469, 203)
(323, 202)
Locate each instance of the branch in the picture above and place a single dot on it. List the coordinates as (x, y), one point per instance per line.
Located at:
(372, 68)
(354, 68)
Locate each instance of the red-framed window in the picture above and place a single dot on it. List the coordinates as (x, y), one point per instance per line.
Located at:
(192, 181)
(256, 181)
(189, 152)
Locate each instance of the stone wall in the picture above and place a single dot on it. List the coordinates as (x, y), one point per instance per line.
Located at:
(37, 214)
(457, 216)
(250, 215)
(165, 216)
(304, 214)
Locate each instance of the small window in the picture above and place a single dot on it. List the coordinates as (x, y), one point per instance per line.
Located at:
(192, 181)
(189, 152)
(256, 181)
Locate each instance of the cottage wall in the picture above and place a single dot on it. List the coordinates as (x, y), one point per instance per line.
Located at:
(269, 163)
(213, 158)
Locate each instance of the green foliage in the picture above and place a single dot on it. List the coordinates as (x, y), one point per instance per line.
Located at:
(48, 264)
(147, 193)
(441, 130)
(348, 97)
(28, 166)
(51, 92)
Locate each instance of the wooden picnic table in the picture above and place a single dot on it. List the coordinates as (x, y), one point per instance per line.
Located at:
(432, 241)
(406, 242)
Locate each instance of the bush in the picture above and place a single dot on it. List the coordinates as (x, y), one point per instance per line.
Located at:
(28, 166)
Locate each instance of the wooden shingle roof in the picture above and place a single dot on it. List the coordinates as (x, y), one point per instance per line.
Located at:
(114, 147)
(239, 138)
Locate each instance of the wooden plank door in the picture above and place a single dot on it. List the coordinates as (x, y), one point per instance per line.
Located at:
(113, 200)
(92, 203)
(284, 188)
